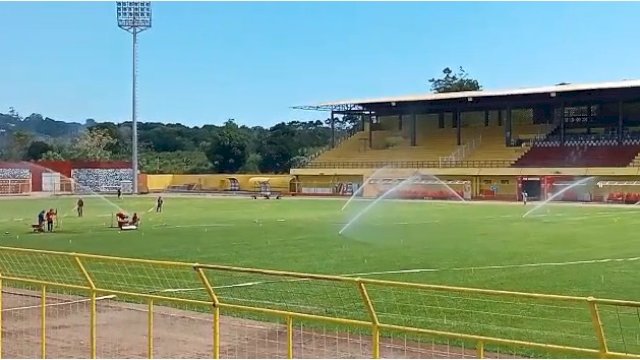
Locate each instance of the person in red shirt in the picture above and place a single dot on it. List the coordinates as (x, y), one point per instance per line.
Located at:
(50, 216)
(121, 218)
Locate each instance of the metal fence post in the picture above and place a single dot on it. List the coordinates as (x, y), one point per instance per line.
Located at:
(150, 330)
(289, 337)
(375, 324)
(43, 321)
(480, 350)
(216, 310)
(597, 326)
(1, 309)
(93, 311)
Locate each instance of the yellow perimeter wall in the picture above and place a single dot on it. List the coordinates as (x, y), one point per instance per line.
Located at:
(215, 181)
(482, 179)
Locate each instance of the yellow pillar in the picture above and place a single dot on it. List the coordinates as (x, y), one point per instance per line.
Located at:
(150, 330)
(43, 322)
(289, 337)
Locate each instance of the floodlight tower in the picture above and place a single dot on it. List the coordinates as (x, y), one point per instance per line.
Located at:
(134, 17)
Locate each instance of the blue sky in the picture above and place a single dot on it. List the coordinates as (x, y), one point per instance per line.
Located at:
(202, 63)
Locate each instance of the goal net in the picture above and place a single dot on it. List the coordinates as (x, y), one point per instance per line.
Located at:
(15, 186)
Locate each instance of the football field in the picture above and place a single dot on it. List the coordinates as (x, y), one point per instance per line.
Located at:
(470, 244)
(582, 250)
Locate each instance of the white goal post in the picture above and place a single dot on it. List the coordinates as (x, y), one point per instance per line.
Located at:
(15, 186)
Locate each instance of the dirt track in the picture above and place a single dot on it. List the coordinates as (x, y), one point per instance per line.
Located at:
(122, 333)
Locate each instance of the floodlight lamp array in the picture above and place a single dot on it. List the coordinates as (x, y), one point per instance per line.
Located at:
(134, 14)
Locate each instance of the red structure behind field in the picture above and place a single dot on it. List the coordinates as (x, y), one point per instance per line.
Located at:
(64, 168)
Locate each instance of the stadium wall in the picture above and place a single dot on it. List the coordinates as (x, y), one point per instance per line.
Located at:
(486, 183)
(216, 182)
(92, 306)
(64, 168)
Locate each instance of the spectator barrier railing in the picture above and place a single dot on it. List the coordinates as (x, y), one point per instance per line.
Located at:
(97, 300)
(409, 164)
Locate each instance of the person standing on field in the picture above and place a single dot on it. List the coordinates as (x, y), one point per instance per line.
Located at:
(41, 220)
(524, 197)
(50, 215)
(79, 207)
(159, 204)
(119, 193)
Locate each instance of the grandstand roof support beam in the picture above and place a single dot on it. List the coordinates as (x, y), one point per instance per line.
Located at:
(413, 128)
(338, 109)
(486, 118)
(620, 121)
(458, 121)
(370, 130)
(562, 123)
(507, 126)
(333, 130)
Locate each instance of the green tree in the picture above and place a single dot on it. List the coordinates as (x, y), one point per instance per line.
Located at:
(13, 113)
(109, 129)
(92, 145)
(347, 122)
(178, 162)
(52, 155)
(37, 149)
(278, 148)
(227, 151)
(252, 165)
(19, 143)
(454, 82)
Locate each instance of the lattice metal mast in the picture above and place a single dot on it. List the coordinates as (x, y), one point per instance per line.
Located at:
(134, 17)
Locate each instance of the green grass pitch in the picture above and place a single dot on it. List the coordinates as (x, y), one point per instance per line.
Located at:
(570, 250)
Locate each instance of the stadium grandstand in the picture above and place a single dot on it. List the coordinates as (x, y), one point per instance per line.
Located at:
(489, 144)
(565, 125)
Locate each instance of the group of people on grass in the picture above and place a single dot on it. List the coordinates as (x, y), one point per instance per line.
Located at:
(47, 217)
(123, 220)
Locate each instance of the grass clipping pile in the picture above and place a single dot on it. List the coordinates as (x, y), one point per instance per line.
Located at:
(122, 329)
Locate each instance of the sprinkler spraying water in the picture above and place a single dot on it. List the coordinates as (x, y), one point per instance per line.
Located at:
(75, 185)
(376, 201)
(373, 203)
(558, 194)
(433, 180)
(361, 187)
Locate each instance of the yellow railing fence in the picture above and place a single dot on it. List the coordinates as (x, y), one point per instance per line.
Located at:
(57, 304)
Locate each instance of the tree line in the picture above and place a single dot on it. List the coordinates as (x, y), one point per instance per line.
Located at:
(179, 149)
(176, 148)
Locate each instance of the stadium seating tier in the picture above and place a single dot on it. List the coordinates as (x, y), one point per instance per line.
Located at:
(579, 156)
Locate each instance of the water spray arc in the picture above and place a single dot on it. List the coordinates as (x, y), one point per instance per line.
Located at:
(376, 201)
(76, 187)
(361, 187)
(412, 179)
(440, 182)
(556, 195)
